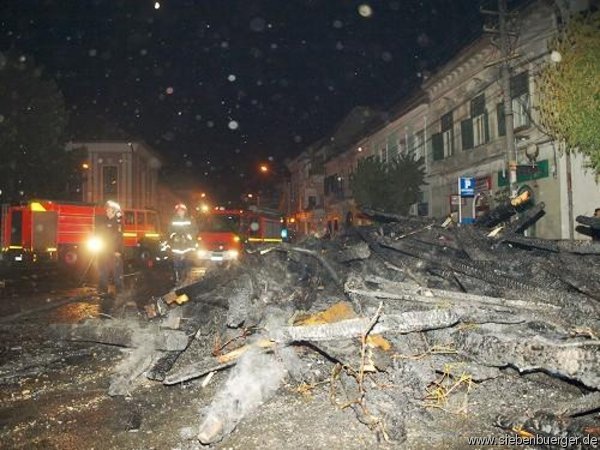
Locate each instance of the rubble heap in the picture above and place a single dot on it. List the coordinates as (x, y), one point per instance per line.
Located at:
(407, 315)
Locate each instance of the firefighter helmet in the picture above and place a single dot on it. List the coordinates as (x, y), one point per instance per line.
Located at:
(181, 206)
(113, 205)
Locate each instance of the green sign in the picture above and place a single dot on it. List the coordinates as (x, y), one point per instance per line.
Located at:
(526, 173)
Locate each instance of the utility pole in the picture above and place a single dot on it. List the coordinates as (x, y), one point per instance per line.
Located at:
(504, 44)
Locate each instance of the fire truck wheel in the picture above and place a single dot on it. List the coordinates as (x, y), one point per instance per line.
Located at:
(70, 257)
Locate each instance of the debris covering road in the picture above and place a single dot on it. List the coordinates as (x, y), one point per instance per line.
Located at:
(405, 334)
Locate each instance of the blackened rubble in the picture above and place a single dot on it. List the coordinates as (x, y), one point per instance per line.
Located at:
(409, 318)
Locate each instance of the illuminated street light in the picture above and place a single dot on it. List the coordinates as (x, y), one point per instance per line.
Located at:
(203, 195)
(264, 168)
(85, 166)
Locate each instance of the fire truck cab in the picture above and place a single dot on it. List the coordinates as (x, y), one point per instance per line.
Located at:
(47, 230)
(219, 235)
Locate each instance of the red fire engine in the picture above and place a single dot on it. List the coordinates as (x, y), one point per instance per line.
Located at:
(219, 234)
(222, 232)
(261, 225)
(63, 231)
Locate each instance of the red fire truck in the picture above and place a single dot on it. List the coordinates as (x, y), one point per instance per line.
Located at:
(222, 232)
(219, 234)
(262, 225)
(64, 231)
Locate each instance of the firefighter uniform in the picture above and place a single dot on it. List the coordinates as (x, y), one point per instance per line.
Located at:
(182, 240)
(110, 260)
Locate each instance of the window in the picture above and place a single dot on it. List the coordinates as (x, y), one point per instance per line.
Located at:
(519, 93)
(334, 184)
(480, 121)
(437, 146)
(153, 220)
(392, 144)
(383, 152)
(466, 133)
(129, 218)
(419, 144)
(447, 134)
(140, 218)
(109, 181)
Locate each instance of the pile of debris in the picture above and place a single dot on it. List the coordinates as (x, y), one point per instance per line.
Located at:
(408, 315)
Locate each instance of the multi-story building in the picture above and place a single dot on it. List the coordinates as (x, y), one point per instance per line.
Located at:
(467, 134)
(319, 176)
(126, 172)
(457, 125)
(305, 190)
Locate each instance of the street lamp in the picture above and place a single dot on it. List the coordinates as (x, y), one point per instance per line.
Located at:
(264, 168)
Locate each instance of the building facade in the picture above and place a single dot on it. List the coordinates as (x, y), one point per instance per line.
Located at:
(457, 125)
(126, 172)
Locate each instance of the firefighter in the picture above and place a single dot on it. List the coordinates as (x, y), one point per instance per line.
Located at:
(110, 259)
(182, 240)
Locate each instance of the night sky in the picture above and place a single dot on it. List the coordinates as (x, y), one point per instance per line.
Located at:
(218, 85)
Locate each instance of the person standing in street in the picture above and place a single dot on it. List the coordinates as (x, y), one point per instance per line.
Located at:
(110, 259)
(182, 239)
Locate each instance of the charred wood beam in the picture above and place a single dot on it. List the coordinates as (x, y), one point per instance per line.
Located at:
(502, 212)
(121, 334)
(592, 222)
(197, 370)
(497, 278)
(578, 361)
(527, 242)
(396, 217)
(405, 291)
(556, 246)
(408, 322)
(161, 368)
(328, 267)
(526, 219)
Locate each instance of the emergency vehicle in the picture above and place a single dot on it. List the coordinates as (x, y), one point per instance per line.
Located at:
(262, 225)
(223, 232)
(219, 234)
(64, 231)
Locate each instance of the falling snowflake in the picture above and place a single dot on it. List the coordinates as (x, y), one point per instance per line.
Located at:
(169, 90)
(338, 24)
(93, 52)
(233, 125)
(365, 10)
(231, 78)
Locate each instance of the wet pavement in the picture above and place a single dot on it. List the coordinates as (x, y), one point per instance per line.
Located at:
(54, 394)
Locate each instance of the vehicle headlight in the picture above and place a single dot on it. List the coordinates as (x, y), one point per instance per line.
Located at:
(236, 239)
(95, 244)
(233, 254)
(202, 253)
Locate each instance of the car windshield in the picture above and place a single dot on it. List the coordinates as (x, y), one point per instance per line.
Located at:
(220, 223)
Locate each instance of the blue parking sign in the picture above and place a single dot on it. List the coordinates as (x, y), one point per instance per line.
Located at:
(467, 186)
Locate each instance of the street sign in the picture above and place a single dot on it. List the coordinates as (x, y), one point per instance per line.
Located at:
(466, 186)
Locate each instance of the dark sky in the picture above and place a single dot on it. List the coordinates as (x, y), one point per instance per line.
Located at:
(217, 85)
